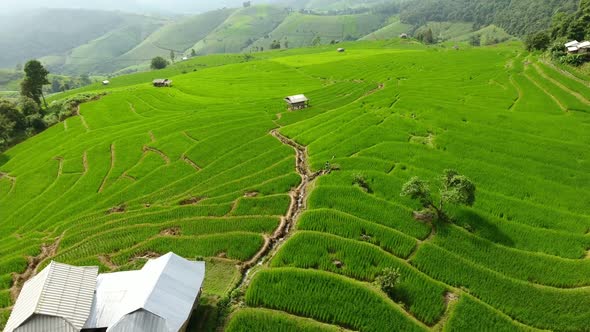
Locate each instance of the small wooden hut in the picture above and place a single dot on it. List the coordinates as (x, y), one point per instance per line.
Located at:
(162, 82)
(297, 102)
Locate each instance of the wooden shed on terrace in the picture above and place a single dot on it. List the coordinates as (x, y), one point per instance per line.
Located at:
(162, 82)
(297, 102)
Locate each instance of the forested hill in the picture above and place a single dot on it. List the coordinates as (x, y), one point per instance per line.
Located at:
(75, 42)
(517, 17)
(43, 32)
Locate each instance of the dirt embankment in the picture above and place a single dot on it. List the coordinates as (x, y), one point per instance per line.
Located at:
(19, 279)
(297, 206)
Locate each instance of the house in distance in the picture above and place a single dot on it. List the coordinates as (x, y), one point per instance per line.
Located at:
(575, 46)
(62, 298)
(162, 82)
(297, 102)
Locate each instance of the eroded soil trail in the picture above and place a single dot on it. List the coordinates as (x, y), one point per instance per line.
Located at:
(19, 279)
(297, 206)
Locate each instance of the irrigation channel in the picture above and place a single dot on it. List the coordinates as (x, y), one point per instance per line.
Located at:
(297, 206)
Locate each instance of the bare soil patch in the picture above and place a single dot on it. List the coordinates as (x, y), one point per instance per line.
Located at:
(191, 201)
(19, 279)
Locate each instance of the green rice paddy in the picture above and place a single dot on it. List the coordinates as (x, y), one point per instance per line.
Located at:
(194, 169)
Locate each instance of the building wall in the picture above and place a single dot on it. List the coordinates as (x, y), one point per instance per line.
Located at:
(42, 323)
(140, 320)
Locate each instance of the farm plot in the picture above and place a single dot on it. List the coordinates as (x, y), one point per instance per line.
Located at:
(516, 260)
(315, 207)
(191, 169)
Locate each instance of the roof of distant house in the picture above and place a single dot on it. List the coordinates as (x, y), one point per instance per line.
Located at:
(296, 99)
(584, 44)
(61, 291)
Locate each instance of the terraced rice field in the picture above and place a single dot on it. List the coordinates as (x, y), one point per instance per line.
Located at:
(216, 168)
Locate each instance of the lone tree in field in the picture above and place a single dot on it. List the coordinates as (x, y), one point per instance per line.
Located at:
(172, 56)
(193, 53)
(455, 189)
(35, 79)
(387, 280)
(159, 63)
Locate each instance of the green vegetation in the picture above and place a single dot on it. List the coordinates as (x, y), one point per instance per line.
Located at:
(35, 78)
(241, 29)
(267, 320)
(349, 303)
(43, 32)
(517, 17)
(301, 30)
(471, 314)
(195, 169)
(454, 189)
(107, 43)
(159, 63)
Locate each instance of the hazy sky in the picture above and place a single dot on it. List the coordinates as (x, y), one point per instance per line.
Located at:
(164, 6)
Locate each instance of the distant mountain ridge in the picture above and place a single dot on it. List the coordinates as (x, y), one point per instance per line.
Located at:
(102, 42)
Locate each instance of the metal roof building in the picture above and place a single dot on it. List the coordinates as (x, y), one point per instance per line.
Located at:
(58, 299)
(62, 298)
(162, 82)
(158, 298)
(297, 102)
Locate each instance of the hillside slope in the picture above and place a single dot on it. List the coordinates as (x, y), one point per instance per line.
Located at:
(217, 168)
(40, 33)
(516, 17)
(300, 30)
(102, 54)
(241, 29)
(178, 36)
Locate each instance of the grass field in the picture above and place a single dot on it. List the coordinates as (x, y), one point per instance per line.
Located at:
(300, 30)
(195, 169)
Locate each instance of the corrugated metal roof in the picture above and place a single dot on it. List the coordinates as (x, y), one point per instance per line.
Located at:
(46, 324)
(140, 320)
(572, 49)
(296, 99)
(166, 287)
(572, 43)
(59, 290)
(585, 44)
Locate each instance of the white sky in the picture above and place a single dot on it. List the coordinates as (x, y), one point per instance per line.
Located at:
(164, 6)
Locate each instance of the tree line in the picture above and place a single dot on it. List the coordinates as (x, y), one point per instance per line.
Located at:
(31, 114)
(564, 27)
(518, 18)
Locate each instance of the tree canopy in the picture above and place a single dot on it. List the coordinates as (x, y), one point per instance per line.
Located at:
(159, 63)
(454, 189)
(35, 79)
(519, 18)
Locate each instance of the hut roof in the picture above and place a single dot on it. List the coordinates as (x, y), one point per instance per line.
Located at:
(59, 291)
(584, 44)
(166, 287)
(296, 99)
(572, 43)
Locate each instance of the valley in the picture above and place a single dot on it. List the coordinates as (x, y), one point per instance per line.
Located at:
(195, 169)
